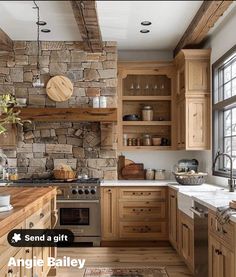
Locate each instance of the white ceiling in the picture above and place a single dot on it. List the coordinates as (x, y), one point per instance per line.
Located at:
(120, 21)
(17, 19)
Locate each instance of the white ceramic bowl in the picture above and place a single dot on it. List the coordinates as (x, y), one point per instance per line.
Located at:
(5, 200)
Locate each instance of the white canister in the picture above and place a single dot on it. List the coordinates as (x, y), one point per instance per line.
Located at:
(96, 102)
(103, 102)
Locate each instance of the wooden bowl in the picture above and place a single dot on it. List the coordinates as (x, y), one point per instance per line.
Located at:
(156, 141)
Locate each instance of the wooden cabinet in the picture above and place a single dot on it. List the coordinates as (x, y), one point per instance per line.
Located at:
(109, 213)
(193, 99)
(186, 239)
(173, 218)
(9, 138)
(146, 84)
(134, 213)
(221, 248)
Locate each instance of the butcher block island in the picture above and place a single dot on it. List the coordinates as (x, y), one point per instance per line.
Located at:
(33, 208)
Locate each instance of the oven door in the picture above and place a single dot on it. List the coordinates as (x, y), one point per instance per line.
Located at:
(82, 217)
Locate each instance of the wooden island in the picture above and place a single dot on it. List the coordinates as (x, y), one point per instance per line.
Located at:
(33, 208)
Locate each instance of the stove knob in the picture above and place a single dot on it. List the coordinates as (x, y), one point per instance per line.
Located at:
(74, 191)
(80, 191)
(93, 191)
(86, 191)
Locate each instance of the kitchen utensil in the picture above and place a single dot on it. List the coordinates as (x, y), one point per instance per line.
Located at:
(147, 140)
(131, 117)
(164, 142)
(189, 179)
(156, 141)
(5, 200)
(59, 88)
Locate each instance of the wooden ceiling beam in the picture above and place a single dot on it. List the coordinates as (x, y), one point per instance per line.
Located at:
(204, 20)
(6, 43)
(85, 13)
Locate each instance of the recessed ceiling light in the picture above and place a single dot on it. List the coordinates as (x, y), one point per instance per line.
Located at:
(45, 30)
(146, 23)
(41, 23)
(144, 31)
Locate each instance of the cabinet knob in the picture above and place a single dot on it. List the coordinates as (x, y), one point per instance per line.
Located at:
(31, 225)
(10, 271)
(27, 251)
(133, 210)
(141, 210)
(41, 215)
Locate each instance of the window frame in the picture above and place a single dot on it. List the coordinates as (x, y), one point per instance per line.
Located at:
(218, 109)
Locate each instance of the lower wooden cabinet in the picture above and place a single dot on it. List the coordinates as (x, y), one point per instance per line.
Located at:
(186, 239)
(134, 213)
(221, 248)
(173, 217)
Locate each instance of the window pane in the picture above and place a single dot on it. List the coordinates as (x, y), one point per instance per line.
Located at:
(227, 123)
(227, 145)
(234, 69)
(227, 90)
(234, 121)
(234, 87)
(227, 74)
(234, 163)
(234, 146)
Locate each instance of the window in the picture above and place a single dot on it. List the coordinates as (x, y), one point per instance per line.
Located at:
(224, 110)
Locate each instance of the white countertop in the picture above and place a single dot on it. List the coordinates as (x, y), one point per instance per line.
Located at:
(131, 183)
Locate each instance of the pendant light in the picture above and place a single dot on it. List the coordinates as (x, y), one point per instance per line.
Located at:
(37, 79)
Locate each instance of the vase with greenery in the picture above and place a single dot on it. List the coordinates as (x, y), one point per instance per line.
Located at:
(7, 113)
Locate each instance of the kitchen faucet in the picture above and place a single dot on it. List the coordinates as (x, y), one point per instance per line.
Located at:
(231, 181)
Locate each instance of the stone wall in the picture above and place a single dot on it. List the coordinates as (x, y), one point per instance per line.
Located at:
(41, 146)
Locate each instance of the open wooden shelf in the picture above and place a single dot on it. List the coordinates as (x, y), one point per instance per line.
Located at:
(69, 114)
(148, 148)
(146, 123)
(146, 98)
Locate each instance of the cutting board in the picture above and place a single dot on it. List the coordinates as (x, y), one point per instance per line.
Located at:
(133, 172)
(59, 88)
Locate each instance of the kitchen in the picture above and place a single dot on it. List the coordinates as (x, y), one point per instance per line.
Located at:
(104, 119)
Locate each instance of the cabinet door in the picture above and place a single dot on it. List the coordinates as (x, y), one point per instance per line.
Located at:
(227, 264)
(109, 213)
(181, 124)
(9, 139)
(214, 257)
(173, 217)
(198, 123)
(198, 72)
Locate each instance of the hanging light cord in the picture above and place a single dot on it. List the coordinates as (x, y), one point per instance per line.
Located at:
(38, 43)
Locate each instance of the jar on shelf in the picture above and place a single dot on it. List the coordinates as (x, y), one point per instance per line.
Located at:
(147, 140)
(125, 139)
(147, 113)
(150, 174)
(160, 174)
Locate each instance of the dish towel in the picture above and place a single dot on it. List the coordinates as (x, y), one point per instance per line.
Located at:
(224, 213)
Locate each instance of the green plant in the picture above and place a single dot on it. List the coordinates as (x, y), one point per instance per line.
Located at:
(8, 115)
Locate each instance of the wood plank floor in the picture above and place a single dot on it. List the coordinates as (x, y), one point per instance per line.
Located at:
(118, 257)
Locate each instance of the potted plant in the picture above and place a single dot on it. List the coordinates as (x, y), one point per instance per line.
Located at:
(7, 113)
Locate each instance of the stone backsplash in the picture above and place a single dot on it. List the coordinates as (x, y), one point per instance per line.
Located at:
(43, 145)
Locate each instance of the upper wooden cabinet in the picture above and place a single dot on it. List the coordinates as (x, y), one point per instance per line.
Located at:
(193, 99)
(146, 84)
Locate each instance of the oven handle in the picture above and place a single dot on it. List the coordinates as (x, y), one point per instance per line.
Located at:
(78, 201)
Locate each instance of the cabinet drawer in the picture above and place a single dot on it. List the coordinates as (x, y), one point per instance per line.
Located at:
(224, 232)
(142, 210)
(143, 230)
(151, 193)
(37, 219)
(6, 250)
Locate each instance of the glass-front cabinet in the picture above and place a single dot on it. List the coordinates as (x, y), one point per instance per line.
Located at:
(145, 110)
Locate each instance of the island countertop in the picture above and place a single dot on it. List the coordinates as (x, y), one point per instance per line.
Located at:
(25, 201)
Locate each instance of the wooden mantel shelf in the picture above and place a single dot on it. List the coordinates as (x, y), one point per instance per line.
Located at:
(69, 114)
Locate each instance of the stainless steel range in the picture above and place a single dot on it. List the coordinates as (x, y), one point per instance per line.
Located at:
(78, 204)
